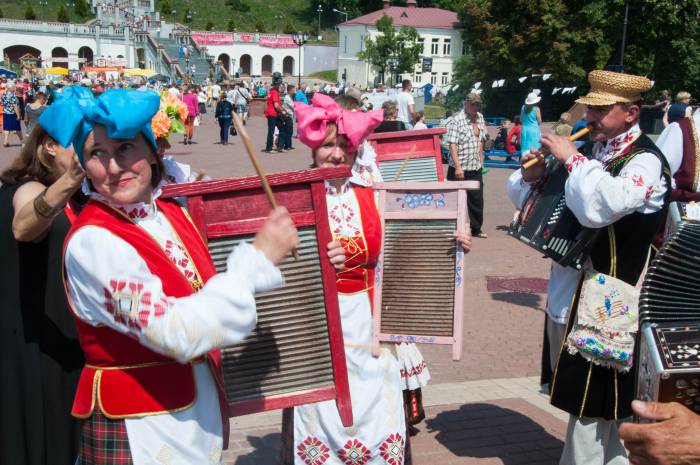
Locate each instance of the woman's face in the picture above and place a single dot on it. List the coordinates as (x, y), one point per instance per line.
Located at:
(333, 152)
(120, 169)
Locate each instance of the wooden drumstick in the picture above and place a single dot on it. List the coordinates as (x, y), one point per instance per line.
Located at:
(579, 134)
(238, 124)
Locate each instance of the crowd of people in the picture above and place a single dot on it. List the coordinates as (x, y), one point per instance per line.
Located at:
(114, 313)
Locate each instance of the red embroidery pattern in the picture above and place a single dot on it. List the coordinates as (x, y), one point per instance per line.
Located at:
(638, 180)
(132, 307)
(354, 453)
(312, 451)
(134, 212)
(342, 215)
(574, 161)
(391, 450)
(177, 254)
(415, 371)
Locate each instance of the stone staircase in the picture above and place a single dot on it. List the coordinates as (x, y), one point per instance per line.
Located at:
(201, 64)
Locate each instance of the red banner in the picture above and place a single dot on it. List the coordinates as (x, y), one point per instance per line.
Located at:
(278, 42)
(212, 39)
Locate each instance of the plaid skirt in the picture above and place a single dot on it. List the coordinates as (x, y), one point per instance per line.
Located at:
(104, 442)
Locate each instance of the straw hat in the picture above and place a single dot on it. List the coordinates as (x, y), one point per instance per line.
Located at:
(609, 88)
(533, 97)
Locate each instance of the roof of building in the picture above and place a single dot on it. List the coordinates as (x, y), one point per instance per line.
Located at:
(413, 17)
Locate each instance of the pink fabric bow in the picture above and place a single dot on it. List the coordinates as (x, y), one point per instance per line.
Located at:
(312, 121)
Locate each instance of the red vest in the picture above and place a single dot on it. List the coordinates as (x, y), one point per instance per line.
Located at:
(687, 175)
(122, 377)
(362, 251)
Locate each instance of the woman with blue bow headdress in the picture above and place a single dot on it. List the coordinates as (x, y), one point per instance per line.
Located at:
(150, 310)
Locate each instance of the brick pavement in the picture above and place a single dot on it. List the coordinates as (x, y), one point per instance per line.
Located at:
(467, 423)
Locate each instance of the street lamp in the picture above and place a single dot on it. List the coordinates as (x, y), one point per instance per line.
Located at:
(342, 13)
(318, 31)
(278, 18)
(392, 62)
(300, 39)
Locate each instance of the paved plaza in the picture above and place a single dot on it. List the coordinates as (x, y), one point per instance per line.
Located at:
(484, 409)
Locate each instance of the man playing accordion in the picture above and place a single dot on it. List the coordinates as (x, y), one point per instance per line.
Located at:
(622, 192)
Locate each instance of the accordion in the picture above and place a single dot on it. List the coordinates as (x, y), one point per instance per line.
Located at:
(669, 312)
(680, 212)
(546, 224)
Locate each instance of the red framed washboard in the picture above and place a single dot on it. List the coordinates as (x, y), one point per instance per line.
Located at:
(412, 155)
(419, 278)
(295, 355)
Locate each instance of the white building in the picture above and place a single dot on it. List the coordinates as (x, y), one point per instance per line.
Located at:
(439, 34)
(253, 54)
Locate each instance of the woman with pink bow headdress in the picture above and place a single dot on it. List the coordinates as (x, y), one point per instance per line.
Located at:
(313, 433)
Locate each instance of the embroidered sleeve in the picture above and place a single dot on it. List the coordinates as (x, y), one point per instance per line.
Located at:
(575, 161)
(110, 284)
(517, 188)
(599, 199)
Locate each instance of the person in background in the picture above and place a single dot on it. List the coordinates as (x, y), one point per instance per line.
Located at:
(663, 101)
(201, 102)
(300, 95)
(531, 118)
(466, 134)
(10, 114)
(33, 110)
(287, 120)
(190, 99)
(513, 138)
(40, 356)
(273, 108)
(563, 128)
(420, 121)
(679, 110)
(499, 143)
(390, 123)
(224, 115)
(241, 97)
(406, 104)
(444, 145)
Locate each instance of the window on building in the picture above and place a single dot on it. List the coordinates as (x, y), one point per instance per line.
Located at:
(421, 42)
(446, 47)
(362, 43)
(435, 47)
(418, 77)
(345, 44)
(445, 78)
(433, 78)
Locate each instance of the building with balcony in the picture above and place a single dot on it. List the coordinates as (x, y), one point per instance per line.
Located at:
(439, 32)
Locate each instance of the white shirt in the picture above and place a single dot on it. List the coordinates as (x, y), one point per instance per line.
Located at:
(216, 90)
(403, 100)
(220, 314)
(597, 199)
(671, 144)
(420, 125)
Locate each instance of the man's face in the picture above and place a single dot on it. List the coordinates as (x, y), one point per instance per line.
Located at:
(471, 108)
(609, 121)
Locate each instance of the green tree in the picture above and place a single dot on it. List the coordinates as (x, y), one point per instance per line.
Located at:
(259, 25)
(62, 15)
(231, 26)
(2, 15)
(29, 12)
(289, 27)
(209, 26)
(81, 9)
(165, 8)
(568, 38)
(400, 45)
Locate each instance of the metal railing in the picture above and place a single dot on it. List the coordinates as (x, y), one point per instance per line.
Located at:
(64, 28)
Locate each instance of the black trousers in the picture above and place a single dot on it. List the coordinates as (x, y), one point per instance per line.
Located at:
(475, 198)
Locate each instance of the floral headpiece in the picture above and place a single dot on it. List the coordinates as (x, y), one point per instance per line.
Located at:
(170, 117)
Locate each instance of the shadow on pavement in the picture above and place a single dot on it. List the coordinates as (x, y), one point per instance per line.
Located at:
(489, 431)
(266, 450)
(523, 299)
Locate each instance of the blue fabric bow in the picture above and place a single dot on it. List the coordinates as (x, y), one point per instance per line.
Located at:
(124, 113)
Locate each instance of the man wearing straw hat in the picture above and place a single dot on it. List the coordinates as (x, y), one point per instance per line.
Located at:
(622, 192)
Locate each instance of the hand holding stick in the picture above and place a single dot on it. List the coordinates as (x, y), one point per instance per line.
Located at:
(258, 169)
(543, 153)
